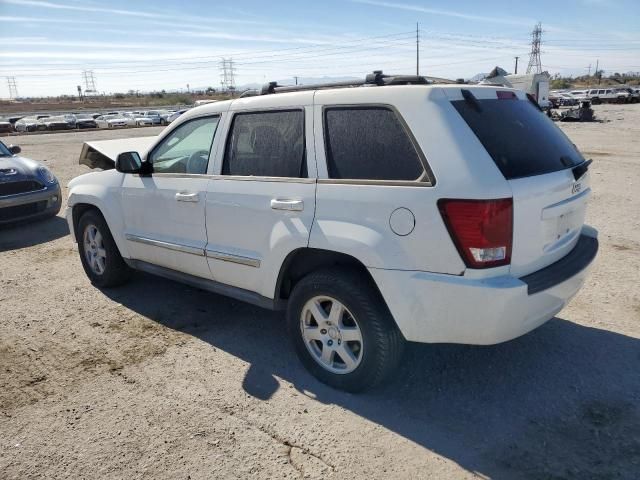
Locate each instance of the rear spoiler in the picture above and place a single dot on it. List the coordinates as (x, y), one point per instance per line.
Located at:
(103, 153)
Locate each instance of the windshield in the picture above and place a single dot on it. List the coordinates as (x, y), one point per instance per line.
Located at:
(4, 151)
(521, 140)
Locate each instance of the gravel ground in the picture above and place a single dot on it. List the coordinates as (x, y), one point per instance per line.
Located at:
(159, 380)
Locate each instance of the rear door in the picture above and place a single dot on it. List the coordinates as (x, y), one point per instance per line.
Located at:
(261, 205)
(536, 158)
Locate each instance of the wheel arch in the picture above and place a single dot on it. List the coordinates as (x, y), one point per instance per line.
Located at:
(302, 261)
(84, 205)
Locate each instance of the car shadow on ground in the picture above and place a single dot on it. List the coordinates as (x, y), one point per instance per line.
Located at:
(560, 402)
(29, 233)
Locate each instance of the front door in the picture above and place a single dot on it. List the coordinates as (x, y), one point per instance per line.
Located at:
(164, 213)
(261, 207)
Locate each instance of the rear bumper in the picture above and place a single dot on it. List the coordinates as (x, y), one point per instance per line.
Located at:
(437, 308)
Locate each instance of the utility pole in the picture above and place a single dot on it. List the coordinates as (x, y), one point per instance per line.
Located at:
(417, 48)
(296, 79)
(589, 67)
(516, 69)
(13, 89)
(534, 57)
(597, 73)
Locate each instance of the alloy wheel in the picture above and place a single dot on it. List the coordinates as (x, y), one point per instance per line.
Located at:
(331, 334)
(94, 250)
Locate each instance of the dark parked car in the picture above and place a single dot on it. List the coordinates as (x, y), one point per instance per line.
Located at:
(28, 189)
(61, 122)
(5, 126)
(84, 120)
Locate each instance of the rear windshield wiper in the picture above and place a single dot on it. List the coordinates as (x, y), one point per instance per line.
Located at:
(471, 99)
(581, 169)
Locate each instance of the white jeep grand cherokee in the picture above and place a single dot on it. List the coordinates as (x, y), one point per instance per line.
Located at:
(374, 215)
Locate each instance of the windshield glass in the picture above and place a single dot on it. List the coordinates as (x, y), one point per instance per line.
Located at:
(521, 140)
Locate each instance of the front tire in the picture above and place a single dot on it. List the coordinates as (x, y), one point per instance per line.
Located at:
(99, 253)
(342, 330)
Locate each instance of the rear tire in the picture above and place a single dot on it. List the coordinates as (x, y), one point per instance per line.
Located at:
(342, 330)
(99, 253)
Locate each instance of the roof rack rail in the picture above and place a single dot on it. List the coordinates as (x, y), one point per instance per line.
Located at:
(377, 78)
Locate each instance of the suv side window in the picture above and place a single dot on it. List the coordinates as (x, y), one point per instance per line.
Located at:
(369, 143)
(186, 149)
(266, 144)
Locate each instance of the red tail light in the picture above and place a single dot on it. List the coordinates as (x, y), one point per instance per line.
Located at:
(482, 230)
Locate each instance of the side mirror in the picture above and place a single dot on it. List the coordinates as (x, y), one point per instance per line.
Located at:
(131, 162)
(15, 149)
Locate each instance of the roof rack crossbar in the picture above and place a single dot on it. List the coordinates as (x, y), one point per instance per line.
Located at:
(377, 78)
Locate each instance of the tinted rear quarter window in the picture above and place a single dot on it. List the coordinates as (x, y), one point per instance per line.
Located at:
(369, 143)
(521, 140)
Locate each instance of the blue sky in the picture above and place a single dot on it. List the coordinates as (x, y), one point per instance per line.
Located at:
(150, 44)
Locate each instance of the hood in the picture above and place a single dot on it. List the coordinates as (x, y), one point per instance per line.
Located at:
(17, 168)
(103, 153)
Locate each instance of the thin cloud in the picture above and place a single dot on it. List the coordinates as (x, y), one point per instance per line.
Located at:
(446, 13)
(113, 11)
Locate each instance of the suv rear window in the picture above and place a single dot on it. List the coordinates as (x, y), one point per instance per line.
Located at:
(369, 143)
(521, 140)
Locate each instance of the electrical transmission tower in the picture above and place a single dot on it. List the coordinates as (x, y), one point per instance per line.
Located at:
(227, 77)
(535, 63)
(13, 89)
(89, 81)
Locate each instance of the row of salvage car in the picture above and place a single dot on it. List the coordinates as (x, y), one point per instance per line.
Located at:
(570, 98)
(71, 121)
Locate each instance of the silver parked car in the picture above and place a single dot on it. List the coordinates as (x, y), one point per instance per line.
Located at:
(28, 189)
(29, 124)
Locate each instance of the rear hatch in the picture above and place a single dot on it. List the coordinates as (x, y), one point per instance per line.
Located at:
(546, 172)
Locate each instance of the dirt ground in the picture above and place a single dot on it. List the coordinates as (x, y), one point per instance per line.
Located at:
(159, 380)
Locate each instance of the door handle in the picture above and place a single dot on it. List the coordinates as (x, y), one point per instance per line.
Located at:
(290, 205)
(187, 197)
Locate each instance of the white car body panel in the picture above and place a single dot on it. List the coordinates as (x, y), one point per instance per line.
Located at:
(436, 308)
(106, 151)
(152, 214)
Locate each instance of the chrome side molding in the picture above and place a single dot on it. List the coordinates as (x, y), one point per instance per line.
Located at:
(168, 245)
(225, 257)
(228, 257)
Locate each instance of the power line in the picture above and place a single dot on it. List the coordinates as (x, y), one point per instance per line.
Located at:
(241, 55)
(298, 57)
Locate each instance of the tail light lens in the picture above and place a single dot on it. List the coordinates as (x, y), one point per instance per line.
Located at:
(482, 230)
